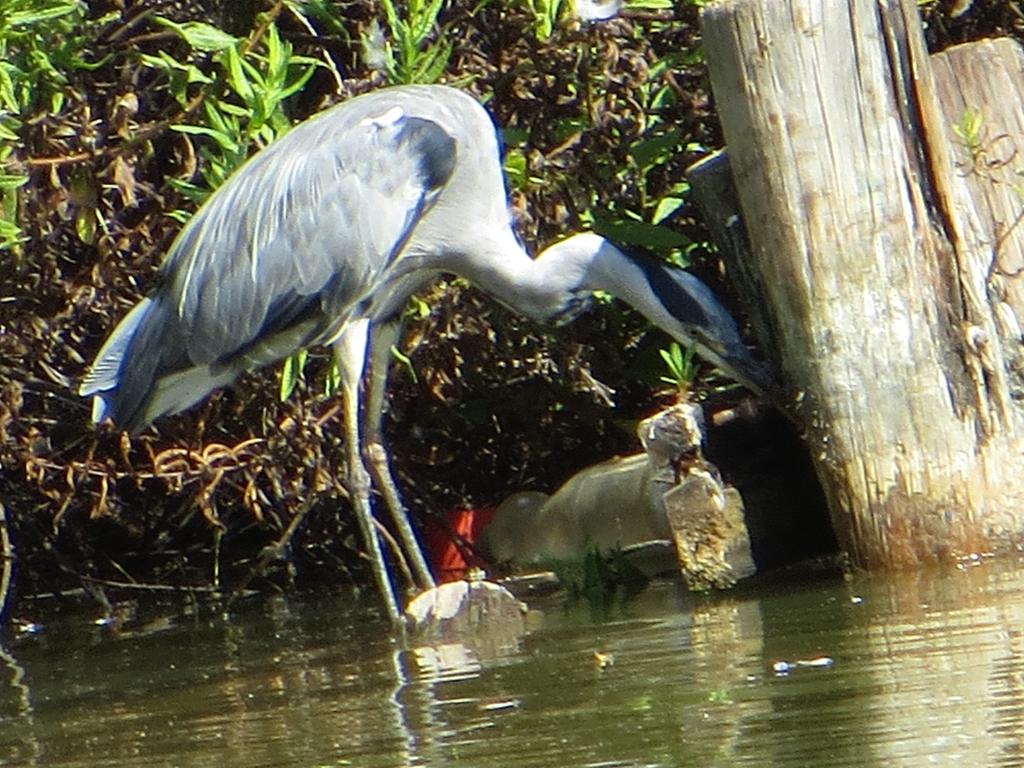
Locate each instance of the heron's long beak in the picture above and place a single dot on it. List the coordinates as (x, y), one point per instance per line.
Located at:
(686, 309)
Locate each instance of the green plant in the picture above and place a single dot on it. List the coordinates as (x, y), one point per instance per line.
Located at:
(243, 107)
(40, 42)
(10, 232)
(546, 14)
(599, 577)
(409, 56)
(681, 365)
(658, 186)
(516, 165)
(291, 372)
(970, 130)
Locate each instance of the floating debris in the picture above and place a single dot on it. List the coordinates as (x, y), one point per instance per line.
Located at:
(500, 706)
(783, 668)
(604, 659)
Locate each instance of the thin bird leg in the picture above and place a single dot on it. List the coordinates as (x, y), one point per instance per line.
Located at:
(382, 338)
(350, 351)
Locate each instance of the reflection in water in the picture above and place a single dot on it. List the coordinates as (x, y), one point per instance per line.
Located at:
(16, 711)
(947, 658)
(924, 668)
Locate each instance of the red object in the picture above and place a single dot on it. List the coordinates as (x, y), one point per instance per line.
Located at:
(450, 544)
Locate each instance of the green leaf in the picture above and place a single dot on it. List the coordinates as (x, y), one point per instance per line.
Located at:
(167, 63)
(85, 225)
(392, 17)
(656, 238)
(291, 372)
(225, 141)
(234, 110)
(182, 217)
(433, 63)
(969, 129)
(423, 22)
(12, 182)
(680, 364)
(656, 150)
(299, 84)
(665, 208)
(200, 35)
(7, 97)
(516, 169)
(23, 18)
(406, 362)
(219, 120)
(10, 235)
(236, 74)
(277, 53)
(333, 382)
(566, 127)
(416, 309)
(514, 137)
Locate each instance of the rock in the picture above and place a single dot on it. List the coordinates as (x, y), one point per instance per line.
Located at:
(709, 530)
(466, 609)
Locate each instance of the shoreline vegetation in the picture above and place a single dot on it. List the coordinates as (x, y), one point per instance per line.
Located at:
(117, 119)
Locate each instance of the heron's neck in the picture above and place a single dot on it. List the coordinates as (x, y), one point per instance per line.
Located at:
(552, 287)
(548, 288)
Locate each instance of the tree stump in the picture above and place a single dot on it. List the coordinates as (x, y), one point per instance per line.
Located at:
(886, 254)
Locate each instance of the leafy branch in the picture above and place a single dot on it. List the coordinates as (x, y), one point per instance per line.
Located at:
(408, 56)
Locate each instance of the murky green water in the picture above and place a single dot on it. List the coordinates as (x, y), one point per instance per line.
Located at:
(907, 670)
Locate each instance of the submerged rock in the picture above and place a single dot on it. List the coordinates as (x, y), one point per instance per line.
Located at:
(466, 609)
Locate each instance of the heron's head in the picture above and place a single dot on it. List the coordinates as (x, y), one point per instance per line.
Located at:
(686, 308)
(670, 297)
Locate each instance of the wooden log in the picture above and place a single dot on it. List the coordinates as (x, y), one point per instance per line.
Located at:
(715, 193)
(893, 324)
(979, 88)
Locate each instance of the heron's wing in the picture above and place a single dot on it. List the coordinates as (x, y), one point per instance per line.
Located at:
(304, 231)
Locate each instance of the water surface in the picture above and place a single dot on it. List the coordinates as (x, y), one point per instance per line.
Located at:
(912, 669)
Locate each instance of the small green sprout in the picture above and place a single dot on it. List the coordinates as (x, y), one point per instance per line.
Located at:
(291, 372)
(970, 130)
(681, 365)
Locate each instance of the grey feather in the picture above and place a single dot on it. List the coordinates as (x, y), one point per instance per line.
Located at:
(278, 256)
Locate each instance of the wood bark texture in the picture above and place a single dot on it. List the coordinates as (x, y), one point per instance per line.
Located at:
(887, 255)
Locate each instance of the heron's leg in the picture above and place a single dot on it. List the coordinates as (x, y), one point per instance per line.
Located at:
(383, 337)
(351, 352)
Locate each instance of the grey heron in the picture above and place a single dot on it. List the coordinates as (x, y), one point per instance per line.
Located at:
(321, 238)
